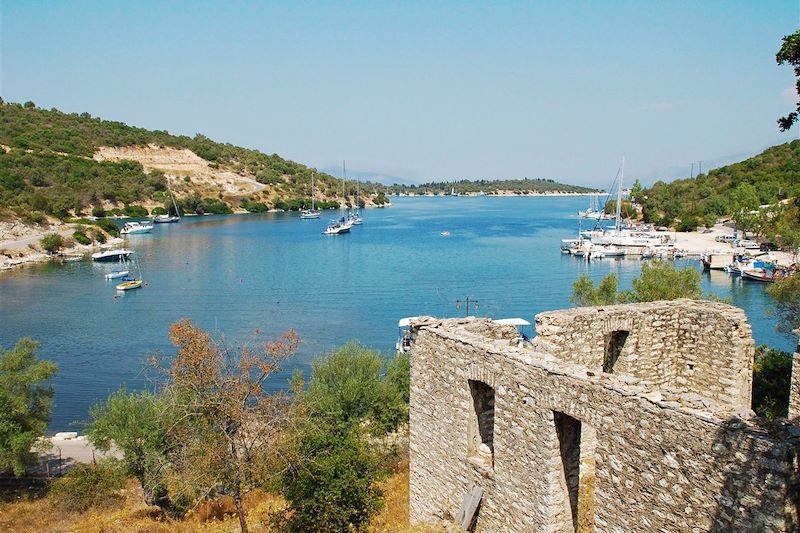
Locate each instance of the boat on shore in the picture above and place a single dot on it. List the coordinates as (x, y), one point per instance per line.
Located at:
(111, 255)
(133, 228)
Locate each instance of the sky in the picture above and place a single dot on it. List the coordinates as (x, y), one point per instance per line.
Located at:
(423, 90)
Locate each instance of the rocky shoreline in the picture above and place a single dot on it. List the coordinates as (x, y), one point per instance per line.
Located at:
(20, 244)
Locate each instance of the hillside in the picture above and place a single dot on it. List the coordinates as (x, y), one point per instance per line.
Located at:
(767, 178)
(489, 187)
(66, 164)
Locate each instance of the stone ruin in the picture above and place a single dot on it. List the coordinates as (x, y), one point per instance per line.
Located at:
(621, 418)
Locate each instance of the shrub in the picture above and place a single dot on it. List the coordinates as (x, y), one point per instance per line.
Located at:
(254, 207)
(98, 211)
(136, 211)
(99, 236)
(89, 486)
(351, 384)
(52, 242)
(772, 371)
(333, 488)
(108, 226)
(688, 224)
(158, 211)
(81, 238)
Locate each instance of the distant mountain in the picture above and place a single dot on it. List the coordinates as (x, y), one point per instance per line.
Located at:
(375, 177)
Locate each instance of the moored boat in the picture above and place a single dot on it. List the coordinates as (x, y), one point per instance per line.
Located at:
(132, 228)
(111, 255)
(129, 285)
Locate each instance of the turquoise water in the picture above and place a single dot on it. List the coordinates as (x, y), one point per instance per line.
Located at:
(237, 274)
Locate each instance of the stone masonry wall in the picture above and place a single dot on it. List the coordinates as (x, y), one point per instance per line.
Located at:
(689, 346)
(646, 463)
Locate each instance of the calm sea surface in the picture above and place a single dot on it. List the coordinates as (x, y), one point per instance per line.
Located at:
(234, 275)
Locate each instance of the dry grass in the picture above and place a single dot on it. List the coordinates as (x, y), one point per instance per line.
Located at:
(132, 515)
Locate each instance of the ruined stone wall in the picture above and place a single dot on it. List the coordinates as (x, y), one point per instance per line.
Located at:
(794, 387)
(698, 347)
(647, 462)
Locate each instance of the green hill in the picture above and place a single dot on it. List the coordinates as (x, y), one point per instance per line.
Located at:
(47, 165)
(768, 178)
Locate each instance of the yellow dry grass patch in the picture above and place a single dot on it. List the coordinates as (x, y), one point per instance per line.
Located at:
(132, 515)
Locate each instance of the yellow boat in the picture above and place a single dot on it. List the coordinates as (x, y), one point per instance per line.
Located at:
(128, 285)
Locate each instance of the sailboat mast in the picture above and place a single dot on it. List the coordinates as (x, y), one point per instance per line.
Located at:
(312, 191)
(344, 183)
(619, 195)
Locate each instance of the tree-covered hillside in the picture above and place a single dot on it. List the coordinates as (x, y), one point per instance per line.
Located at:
(518, 186)
(46, 165)
(767, 178)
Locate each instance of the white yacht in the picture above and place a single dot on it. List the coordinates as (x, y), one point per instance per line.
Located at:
(132, 228)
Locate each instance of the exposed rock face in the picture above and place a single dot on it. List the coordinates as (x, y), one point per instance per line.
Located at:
(176, 163)
(623, 418)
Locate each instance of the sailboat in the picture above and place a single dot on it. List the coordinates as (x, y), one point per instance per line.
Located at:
(594, 211)
(355, 216)
(120, 272)
(310, 213)
(130, 281)
(164, 219)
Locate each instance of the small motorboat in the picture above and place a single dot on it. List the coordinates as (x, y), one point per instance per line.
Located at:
(445, 233)
(71, 258)
(117, 274)
(129, 285)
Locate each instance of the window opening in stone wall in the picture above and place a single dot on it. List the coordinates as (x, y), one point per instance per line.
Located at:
(576, 445)
(481, 445)
(614, 344)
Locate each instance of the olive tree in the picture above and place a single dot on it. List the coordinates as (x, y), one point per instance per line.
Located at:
(25, 403)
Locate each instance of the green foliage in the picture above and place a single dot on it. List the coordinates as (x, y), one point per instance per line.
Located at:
(659, 280)
(735, 190)
(136, 211)
(108, 226)
(158, 211)
(254, 207)
(786, 293)
(334, 487)
(25, 403)
(689, 223)
(98, 211)
(52, 242)
(772, 372)
(353, 384)
(380, 199)
(138, 425)
(81, 238)
(790, 53)
(89, 486)
(584, 293)
(627, 210)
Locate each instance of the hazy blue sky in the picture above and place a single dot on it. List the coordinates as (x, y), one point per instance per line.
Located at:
(422, 89)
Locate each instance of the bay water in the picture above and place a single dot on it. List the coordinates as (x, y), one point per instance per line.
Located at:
(251, 277)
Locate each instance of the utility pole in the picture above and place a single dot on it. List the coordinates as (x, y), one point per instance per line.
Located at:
(692, 174)
(701, 169)
(466, 303)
